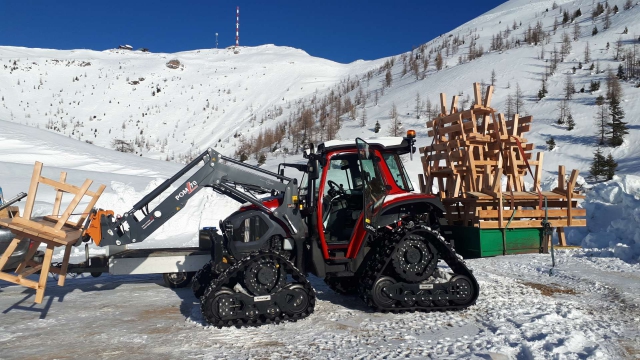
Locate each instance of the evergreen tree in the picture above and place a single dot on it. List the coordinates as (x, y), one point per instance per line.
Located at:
(551, 143)
(618, 128)
(594, 32)
(620, 73)
(376, 129)
(244, 157)
(610, 167)
(262, 159)
(363, 118)
(571, 124)
(598, 164)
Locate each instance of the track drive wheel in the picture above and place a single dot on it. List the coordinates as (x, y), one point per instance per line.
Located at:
(265, 277)
(414, 259)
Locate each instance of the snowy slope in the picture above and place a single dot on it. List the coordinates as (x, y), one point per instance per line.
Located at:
(210, 97)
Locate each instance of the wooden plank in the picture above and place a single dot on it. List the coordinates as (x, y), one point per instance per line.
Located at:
(514, 125)
(561, 238)
(33, 190)
(520, 224)
(538, 172)
(62, 275)
(73, 204)
(561, 178)
(8, 251)
(58, 201)
(44, 273)
(477, 94)
(443, 104)
(91, 204)
(488, 96)
(18, 281)
(454, 104)
(553, 213)
(26, 272)
(72, 189)
(33, 248)
(39, 227)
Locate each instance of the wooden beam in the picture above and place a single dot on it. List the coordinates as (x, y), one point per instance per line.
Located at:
(488, 96)
(552, 213)
(9, 250)
(477, 94)
(33, 190)
(519, 224)
(44, 273)
(443, 104)
(454, 105)
(561, 178)
(73, 204)
(56, 203)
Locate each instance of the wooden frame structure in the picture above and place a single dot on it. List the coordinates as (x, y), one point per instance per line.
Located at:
(54, 230)
(472, 151)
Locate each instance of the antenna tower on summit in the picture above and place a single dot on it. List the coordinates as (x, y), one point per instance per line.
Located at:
(237, 26)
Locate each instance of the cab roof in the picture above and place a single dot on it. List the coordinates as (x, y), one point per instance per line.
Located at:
(399, 145)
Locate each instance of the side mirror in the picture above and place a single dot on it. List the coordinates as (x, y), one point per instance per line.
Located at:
(308, 150)
(314, 174)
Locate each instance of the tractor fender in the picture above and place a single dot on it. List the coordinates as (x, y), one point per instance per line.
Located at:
(235, 240)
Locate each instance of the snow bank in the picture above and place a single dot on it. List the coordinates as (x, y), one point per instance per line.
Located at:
(613, 218)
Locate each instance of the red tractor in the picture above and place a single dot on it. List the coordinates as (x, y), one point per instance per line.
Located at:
(353, 220)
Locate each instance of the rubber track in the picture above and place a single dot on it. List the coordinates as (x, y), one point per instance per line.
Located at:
(241, 266)
(380, 259)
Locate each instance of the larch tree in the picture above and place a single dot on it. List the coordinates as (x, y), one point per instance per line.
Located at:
(395, 128)
(388, 78)
(418, 105)
(519, 100)
(587, 53)
(439, 62)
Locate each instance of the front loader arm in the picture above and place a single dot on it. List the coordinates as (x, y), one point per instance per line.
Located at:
(225, 175)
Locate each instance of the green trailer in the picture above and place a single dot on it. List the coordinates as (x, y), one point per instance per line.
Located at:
(474, 242)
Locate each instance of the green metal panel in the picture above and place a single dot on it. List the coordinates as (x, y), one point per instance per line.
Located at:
(472, 242)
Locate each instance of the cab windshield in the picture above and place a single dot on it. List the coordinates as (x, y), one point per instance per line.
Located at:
(397, 171)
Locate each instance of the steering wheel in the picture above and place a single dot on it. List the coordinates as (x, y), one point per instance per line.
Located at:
(335, 189)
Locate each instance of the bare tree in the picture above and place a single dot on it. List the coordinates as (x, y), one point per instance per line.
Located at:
(563, 109)
(493, 77)
(565, 48)
(395, 127)
(363, 118)
(607, 19)
(388, 78)
(587, 53)
(519, 100)
(576, 31)
(439, 62)
(418, 105)
(569, 88)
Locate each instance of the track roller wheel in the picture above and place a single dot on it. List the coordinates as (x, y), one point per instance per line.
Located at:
(296, 300)
(379, 295)
(462, 288)
(220, 306)
(441, 302)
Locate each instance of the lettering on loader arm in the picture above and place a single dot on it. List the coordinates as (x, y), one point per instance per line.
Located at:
(190, 187)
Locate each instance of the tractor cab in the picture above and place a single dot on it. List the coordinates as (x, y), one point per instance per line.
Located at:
(353, 180)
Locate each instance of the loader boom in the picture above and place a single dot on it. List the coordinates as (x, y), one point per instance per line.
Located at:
(224, 175)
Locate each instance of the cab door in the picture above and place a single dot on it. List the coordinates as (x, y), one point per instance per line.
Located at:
(375, 189)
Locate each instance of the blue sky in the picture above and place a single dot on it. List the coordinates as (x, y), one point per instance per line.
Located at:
(342, 31)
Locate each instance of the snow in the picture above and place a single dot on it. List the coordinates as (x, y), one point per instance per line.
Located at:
(588, 308)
